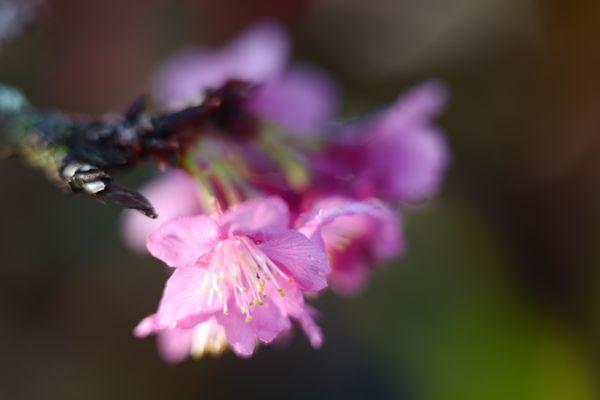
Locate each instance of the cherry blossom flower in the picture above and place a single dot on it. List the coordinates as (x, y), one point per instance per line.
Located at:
(397, 155)
(357, 237)
(300, 99)
(246, 269)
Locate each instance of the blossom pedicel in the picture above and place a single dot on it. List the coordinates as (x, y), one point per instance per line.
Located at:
(275, 200)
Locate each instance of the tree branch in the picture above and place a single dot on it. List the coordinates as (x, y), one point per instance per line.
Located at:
(78, 154)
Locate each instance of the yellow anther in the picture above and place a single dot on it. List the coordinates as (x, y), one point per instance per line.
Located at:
(258, 303)
(248, 319)
(281, 292)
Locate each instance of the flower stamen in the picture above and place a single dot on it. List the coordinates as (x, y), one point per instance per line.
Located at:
(239, 267)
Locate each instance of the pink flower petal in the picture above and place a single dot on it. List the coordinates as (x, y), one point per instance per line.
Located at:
(265, 216)
(183, 79)
(294, 305)
(268, 321)
(325, 211)
(183, 241)
(302, 100)
(266, 324)
(146, 327)
(418, 159)
(259, 53)
(310, 328)
(184, 302)
(350, 275)
(174, 344)
(302, 258)
(417, 106)
(239, 333)
(173, 194)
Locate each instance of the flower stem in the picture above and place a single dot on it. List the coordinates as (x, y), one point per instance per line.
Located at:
(295, 173)
(226, 182)
(206, 192)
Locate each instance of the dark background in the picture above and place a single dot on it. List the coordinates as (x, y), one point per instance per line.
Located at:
(498, 297)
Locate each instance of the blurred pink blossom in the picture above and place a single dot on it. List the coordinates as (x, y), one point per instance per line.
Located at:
(357, 237)
(399, 154)
(300, 99)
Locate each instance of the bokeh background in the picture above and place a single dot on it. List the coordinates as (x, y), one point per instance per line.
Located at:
(499, 295)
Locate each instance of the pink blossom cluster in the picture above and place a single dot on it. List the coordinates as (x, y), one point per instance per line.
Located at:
(252, 225)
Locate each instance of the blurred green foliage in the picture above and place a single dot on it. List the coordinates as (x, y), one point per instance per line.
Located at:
(449, 314)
